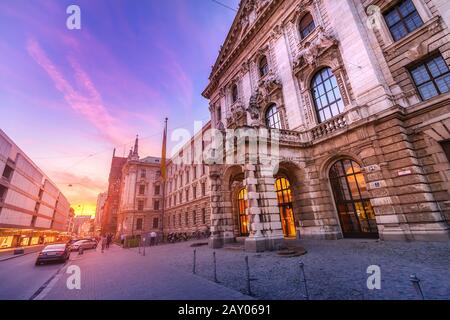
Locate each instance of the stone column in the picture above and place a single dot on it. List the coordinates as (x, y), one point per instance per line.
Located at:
(216, 239)
(256, 240)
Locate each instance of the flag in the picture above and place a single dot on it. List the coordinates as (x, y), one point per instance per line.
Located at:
(163, 153)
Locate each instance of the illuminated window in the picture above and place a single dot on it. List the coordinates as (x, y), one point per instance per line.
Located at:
(327, 97)
(352, 199)
(284, 197)
(243, 217)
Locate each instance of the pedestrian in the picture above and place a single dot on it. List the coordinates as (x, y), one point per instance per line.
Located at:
(108, 240)
(103, 242)
(153, 238)
(122, 239)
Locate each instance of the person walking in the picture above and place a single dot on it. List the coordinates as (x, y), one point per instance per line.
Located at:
(153, 238)
(103, 242)
(108, 240)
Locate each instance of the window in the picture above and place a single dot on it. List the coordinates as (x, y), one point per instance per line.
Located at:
(187, 195)
(156, 223)
(432, 77)
(186, 219)
(402, 19)
(139, 224)
(179, 219)
(141, 205)
(306, 25)
(195, 172)
(243, 217)
(7, 173)
(194, 192)
(263, 66)
(143, 173)
(219, 113)
(194, 217)
(327, 97)
(203, 216)
(203, 169)
(203, 189)
(174, 221)
(2, 192)
(157, 190)
(273, 117)
(355, 211)
(187, 177)
(445, 145)
(234, 93)
(156, 205)
(285, 205)
(142, 189)
(180, 196)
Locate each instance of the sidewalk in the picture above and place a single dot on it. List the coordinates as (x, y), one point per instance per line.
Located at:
(124, 274)
(7, 254)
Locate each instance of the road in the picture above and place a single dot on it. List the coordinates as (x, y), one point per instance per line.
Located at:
(20, 278)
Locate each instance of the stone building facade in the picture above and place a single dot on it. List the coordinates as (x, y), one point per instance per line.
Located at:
(187, 196)
(357, 93)
(141, 196)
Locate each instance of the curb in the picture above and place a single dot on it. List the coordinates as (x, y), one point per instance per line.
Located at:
(19, 255)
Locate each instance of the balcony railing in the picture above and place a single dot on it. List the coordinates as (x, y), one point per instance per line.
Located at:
(326, 128)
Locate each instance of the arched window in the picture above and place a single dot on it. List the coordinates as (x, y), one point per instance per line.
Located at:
(263, 66)
(352, 199)
(306, 25)
(243, 217)
(273, 120)
(284, 197)
(234, 93)
(219, 113)
(326, 94)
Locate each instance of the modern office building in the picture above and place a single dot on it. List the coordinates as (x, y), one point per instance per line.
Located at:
(32, 209)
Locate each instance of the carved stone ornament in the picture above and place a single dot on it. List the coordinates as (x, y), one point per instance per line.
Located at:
(310, 50)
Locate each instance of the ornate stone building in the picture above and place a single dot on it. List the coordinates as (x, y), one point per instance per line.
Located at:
(187, 197)
(141, 196)
(357, 91)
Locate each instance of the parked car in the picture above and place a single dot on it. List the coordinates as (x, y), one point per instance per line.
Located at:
(85, 244)
(54, 252)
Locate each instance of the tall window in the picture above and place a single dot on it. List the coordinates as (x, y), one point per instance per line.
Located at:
(186, 219)
(263, 66)
(327, 97)
(402, 19)
(306, 25)
(141, 205)
(156, 223)
(432, 77)
(194, 192)
(156, 205)
(203, 189)
(142, 189)
(234, 93)
(446, 146)
(352, 199)
(157, 190)
(203, 216)
(139, 224)
(273, 117)
(284, 197)
(194, 217)
(219, 113)
(143, 173)
(243, 217)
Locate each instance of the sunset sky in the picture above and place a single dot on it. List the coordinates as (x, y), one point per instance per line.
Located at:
(68, 97)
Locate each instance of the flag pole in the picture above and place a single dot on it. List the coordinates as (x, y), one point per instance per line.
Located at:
(163, 175)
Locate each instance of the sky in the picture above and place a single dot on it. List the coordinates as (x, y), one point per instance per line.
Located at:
(69, 97)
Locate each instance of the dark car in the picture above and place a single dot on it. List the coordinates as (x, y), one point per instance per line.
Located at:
(54, 252)
(84, 244)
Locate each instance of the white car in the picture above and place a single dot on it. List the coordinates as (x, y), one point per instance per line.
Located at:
(85, 244)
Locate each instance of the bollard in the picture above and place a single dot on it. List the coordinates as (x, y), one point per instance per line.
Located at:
(416, 284)
(143, 253)
(247, 268)
(215, 267)
(302, 269)
(193, 266)
(139, 246)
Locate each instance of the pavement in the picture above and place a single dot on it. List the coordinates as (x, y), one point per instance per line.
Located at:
(6, 254)
(115, 274)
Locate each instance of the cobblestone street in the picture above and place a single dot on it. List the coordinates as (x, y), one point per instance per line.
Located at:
(334, 269)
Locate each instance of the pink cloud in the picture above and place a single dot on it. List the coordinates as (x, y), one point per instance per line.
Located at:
(89, 103)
